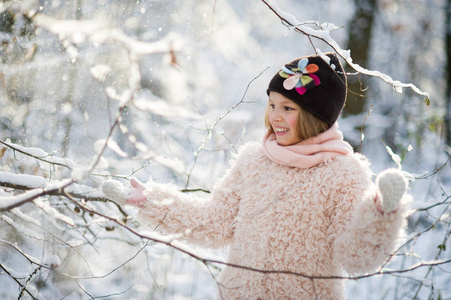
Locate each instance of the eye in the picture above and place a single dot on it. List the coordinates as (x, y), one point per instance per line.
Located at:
(288, 108)
(272, 106)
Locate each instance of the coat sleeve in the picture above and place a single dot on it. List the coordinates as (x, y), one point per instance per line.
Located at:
(363, 239)
(205, 222)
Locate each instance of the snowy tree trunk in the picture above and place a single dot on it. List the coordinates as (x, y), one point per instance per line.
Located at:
(359, 43)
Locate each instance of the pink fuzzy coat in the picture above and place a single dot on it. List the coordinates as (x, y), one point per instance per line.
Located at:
(319, 221)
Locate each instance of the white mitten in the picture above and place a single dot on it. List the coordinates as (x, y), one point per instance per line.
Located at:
(391, 185)
(115, 191)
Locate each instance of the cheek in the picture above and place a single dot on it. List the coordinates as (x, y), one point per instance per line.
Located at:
(270, 117)
(292, 121)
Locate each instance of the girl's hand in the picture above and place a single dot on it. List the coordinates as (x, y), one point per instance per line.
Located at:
(136, 196)
(391, 185)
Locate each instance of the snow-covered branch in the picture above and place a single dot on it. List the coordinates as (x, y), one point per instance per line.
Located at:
(36, 186)
(40, 155)
(323, 34)
(100, 32)
(30, 291)
(9, 203)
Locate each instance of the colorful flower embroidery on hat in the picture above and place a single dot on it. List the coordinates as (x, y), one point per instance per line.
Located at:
(300, 78)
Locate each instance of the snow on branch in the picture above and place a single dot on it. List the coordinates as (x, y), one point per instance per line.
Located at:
(41, 155)
(8, 203)
(100, 32)
(323, 34)
(36, 186)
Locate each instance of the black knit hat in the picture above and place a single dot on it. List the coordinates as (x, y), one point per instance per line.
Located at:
(314, 84)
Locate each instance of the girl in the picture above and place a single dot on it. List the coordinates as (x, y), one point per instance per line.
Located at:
(300, 202)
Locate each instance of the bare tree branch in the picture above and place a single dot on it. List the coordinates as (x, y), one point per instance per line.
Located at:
(25, 152)
(173, 242)
(23, 287)
(324, 36)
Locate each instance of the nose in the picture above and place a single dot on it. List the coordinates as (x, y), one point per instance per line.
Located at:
(275, 115)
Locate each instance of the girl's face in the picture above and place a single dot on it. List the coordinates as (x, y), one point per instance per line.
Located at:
(283, 116)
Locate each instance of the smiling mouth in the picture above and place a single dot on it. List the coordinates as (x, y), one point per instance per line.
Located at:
(280, 130)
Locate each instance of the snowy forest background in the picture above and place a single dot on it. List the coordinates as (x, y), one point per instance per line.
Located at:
(169, 90)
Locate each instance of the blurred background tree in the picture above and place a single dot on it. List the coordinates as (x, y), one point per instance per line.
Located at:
(360, 34)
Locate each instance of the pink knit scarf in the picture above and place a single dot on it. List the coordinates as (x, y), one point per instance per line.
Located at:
(309, 152)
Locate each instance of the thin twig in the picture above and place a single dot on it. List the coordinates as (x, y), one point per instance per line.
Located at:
(361, 128)
(33, 156)
(212, 127)
(17, 281)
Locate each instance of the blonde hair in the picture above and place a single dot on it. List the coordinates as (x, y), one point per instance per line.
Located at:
(307, 126)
